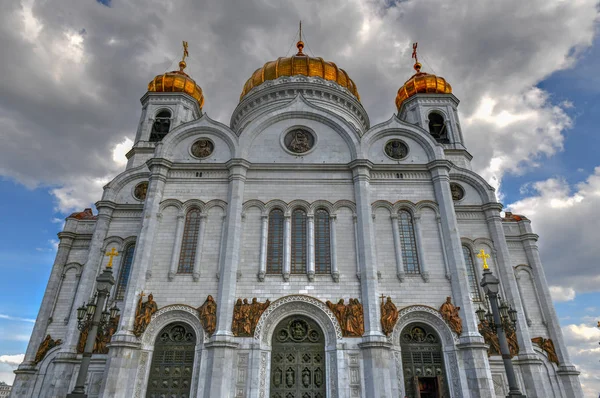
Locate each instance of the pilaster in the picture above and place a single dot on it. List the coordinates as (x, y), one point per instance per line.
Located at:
(176, 247)
(262, 268)
(472, 348)
(335, 273)
(199, 245)
(310, 243)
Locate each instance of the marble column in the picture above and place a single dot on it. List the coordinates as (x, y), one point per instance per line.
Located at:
(376, 352)
(420, 251)
(568, 374)
(528, 361)
(221, 348)
(472, 348)
(199, 244)
(335, 273)
(177, 246)
(400, 273)
(264, 232)
(124, 354)
(310, 245)
(287, 247)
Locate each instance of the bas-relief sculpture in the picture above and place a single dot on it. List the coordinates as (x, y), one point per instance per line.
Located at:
(102, 338)
(450, 314)
(246, 316)
(299, 141)
(548, 346)
(202, 148)
(350, 316)
(46, 345)
(491, 338)
(208, 315)
(143, 314)
(389, 315)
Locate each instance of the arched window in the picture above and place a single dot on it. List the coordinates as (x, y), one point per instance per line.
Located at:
(437, 127)
(322, 243)
(187, 255)
(275, 242)
(471, 274)
(298, 242)
(408, 242)
(124, 272)
(161, 126)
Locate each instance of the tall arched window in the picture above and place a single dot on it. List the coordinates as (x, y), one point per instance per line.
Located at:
(322, 243)
(298, 242)
(161, 126)
(408, 242)
(275, 242)
(437, 127)
(471, 274)
(187, 255)
(124, 272)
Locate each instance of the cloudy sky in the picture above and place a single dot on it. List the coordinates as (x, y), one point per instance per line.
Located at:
(72, 73)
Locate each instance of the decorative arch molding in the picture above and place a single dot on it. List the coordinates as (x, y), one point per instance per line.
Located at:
(70, 266)
(428, 204)
(162, 109)
(298, 305)
(193, 203)
(253, 203)
(169, 314)
(321, 204)
(276, 204)
(215, 203)
(441, 111)
(427, 315)
(112, 240)
(287, 208)
(487, 242)
(382, 204)
(299, 204)
(485, 190)
(290, 110)
(171, 202)
(395, 126)
(344, 203)
(161, 318)
(112, 189)
(524, 268)
(203, 125)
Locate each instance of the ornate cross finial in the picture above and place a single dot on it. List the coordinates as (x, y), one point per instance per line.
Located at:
(182, 63)
(484, 256)
(300, 30)
(382, 298)
(300, 44)
(417, 64)
(111, 254)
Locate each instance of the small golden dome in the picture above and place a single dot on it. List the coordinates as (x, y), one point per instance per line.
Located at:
(300, 64)
(177, 81)
(422, 82)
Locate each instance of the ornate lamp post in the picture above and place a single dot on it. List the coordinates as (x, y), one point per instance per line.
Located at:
(95, 317)
(496, 319)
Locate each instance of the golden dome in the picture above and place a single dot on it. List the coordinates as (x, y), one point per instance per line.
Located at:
(177, 81)
(422, 82)
(300, 64)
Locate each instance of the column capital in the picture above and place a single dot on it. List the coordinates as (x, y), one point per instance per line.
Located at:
(492, 206)
(105, 206)
(440, 165)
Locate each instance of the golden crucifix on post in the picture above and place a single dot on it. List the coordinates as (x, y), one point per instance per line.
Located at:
(484, 256)
(111, 254)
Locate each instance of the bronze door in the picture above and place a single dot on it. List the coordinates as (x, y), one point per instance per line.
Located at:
(298, 359)
(422, 362)
(172, 362)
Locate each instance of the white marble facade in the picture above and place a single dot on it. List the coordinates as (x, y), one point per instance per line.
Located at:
(250, 172)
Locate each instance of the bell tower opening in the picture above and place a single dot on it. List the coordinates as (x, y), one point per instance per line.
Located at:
(437, 127)
(298, 359)
(161, 126)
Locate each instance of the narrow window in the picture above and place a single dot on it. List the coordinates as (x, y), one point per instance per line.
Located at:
(161, 126)
(298, 242)
(124, 272)
(275, 242)
(322, 242)
(471, 274)
(188, 245)
(437, 127)
(408, 243)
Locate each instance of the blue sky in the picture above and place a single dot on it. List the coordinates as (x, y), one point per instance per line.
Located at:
(528, 84)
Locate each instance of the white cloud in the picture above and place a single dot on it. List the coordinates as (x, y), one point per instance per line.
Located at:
(560, 293)
(582, 343)
(15, 318)
(13, 360)
(120, 150)
(567, 218)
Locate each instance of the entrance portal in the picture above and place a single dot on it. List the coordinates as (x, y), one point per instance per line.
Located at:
(298, 359)
(422, 362)
(172, 362)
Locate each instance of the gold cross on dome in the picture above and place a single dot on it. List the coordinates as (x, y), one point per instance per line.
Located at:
(484, 256)
(111, 254)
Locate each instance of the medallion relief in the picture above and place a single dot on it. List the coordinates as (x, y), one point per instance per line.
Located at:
(202, 148)
(457, 191)
(299, 141)
(140, 191)
(396, 149)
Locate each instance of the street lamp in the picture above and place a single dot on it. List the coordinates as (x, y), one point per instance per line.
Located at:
(95, 316)
(500, 315)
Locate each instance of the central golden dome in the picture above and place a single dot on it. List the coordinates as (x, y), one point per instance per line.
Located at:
(300, 64)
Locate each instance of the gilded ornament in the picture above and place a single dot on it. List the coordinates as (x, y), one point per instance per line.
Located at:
(548, 346)
(389, 315)
(208, 315)
(350, 317)
(202, 148)
(246, 316)
(450, 314)
(490, 338)
(111, 254)
(140, 190)
(102, 338)
(143, 314)
(484, 256)
(46, 345)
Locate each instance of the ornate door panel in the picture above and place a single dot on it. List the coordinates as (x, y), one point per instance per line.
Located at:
(172, 362)
(422, 363)
(298, 360)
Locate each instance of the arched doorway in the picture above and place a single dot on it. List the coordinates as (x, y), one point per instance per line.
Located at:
(422, 362)
(298, 359)
(172, 362)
